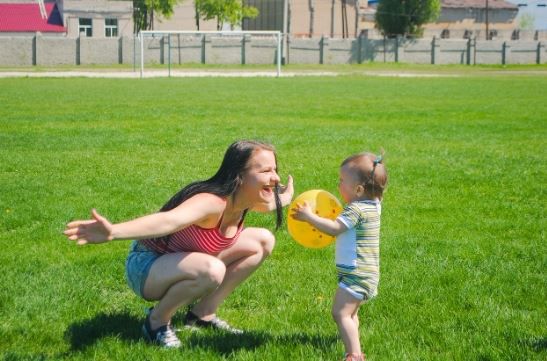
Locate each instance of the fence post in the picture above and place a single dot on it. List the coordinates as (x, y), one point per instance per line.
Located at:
(78, 48)
(433, 49)
(538, 54)
(204, 40)
(287, 52)
(134, 52)
(34, 49)
(397, 39)
(322, 49)
(243, 48)
(162, 51)
(475, 51)
(120, 50)
(360, 49)
(169, 53)
(504, 48)
(468, 55)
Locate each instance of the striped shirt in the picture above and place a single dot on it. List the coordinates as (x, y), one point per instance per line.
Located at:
(194, 239)
(358, 249)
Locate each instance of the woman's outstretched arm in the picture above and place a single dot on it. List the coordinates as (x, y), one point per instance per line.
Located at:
(99, 229)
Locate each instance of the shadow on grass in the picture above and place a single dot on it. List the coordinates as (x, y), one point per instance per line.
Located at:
(123, 326)
(226, 344)
(85, 333)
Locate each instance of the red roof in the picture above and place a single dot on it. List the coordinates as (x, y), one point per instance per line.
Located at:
(26, 18)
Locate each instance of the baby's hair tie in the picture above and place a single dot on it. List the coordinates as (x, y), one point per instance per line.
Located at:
(375, 162)
(379, 159)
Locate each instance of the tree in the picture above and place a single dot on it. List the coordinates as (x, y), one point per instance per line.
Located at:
(526, 21)
(224, 11)
(406, 17)
(144, 10)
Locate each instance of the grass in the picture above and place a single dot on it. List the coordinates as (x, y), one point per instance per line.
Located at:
(343, 69)
(463, 234)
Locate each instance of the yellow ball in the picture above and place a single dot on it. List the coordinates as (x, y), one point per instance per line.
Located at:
(324, 205)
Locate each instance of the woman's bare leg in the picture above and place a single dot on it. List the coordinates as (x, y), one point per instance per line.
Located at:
(177, 279)
(242, 259)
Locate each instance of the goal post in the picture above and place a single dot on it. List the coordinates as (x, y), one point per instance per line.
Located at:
(227, 43)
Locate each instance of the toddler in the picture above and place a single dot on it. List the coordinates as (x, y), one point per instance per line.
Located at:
(363, 178)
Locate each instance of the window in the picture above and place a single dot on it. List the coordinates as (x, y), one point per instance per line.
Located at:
(111, 28)
(85, 27)
(445, 34)
(515, 35)
(522, 5)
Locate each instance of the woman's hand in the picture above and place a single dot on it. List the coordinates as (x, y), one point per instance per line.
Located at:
(286, 192)
(96, 230)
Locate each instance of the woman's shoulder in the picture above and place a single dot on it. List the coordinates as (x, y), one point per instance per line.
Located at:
(209, 200)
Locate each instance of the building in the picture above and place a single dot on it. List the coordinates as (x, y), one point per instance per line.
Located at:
(314, 18)
(310, 18)
(474, 18)
(70, 18)
(97, 18)
(532, 14)
(27, 18)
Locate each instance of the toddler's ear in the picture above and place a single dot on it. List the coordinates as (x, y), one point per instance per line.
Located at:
(360, 190)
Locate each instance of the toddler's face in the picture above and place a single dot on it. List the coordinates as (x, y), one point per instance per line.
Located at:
(347, 184)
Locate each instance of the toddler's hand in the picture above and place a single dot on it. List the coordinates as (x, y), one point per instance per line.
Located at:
(302, 212)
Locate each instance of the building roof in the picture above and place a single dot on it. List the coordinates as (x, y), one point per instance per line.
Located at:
(478, 4)
(25, 17)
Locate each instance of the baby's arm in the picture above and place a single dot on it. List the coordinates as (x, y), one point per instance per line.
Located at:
(303, 212)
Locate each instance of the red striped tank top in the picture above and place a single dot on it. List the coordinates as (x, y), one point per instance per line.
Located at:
(194, 239)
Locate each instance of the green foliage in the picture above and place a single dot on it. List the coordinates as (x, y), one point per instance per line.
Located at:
(405, 17)
(225, 11)
(527, 21)
(463, 224)
(145, 10)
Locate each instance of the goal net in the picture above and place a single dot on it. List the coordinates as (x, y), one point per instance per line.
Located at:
(171, 48)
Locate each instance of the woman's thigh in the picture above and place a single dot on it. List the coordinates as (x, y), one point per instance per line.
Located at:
(250, 242)
(172, 268)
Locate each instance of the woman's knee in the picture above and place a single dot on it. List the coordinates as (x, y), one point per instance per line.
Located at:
(266, 240)
(213, 272)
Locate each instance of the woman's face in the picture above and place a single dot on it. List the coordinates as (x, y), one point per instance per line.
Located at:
(260, 178)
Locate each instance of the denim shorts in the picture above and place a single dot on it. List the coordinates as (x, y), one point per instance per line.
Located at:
(137, 266)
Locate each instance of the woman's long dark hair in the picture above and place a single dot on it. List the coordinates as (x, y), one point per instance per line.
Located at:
(228, 178)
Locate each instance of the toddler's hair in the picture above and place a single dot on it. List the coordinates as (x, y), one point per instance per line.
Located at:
(370, 171)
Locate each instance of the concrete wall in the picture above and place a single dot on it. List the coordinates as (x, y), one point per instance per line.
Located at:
(17, 51)
(109, 54)
(213, 49)
(51, 51)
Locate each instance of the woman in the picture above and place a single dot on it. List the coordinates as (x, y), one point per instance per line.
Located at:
(196, 247)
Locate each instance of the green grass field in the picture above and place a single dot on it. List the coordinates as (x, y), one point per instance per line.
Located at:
(463, 249)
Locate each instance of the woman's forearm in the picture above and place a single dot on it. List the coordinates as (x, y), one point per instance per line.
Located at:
(149, 226)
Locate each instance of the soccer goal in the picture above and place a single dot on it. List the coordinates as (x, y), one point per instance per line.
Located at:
(210, 47)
